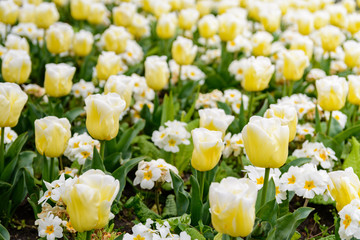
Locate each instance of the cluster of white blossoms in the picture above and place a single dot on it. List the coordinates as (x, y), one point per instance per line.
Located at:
(319, 154)
(50, 226)
(9, 135)
(339, 116)
(154, 231)
(170, 137)
(83, 89)
(306, 181)
(80, 147)
(350, 221)
(234, 145)
(304, 129)
(155, 171)
(303, 104)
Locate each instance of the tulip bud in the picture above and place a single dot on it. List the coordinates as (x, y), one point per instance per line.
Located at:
(123, 15)
(175, 4)
(321, 19)
(353, 23)
(115, 39)
(261, 43)
(271, 137)
(58, 79)
(183, 51)
(140, 26)
(295, 62)
(349, 5)
(9, 12)
(88, 201)
(287, 116)
(305, 22)
(16, 42)
(352, 53)
(232, 206)
(59, 37)
(159, 8)
(27, 13)
(98, 13)
(208, 147)
(121, 85)
(270, 18)
(331, 38)
(303, 43)
(108, 64)
(61, 3)
(102, 115)
(344, 187)
(12, 100)
(166, 26)
(188, 18)
(229, 26)
(82, 43)
(204, 7)
(157, 72)
(257, 73)
(80, 9)
(46, 14)
(16, 66)
(52, 135)
(215, 119)
(354, 89)
(332, 92)
(208, 26)
(338, 15)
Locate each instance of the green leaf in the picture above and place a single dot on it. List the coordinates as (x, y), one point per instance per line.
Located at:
(269, 212)
(319, 199)
(14, 149)
(353, 160)
(196, 202)
(168, 113)
(342, 136)
(317, 121)
(4, 234)
(263, 108)
(183, 157)
(9, 169)
(96, 162)
(170, 207)
(74, 113)
(270, 195)
(148, 148)
(194, 234)
(224, 107)
(330, 237)
(297, 162)
(140, 209)
(127, 137)
(182, 197)
(123, 171)
(296, 236)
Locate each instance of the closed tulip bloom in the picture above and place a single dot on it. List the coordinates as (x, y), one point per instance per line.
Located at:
(208, 26)
(58, 79)
(331, 38)
(344, 187)
(12, 100)
(115, 39)
(188, 18)
(215, 119)
(338, 15)
(46, 14)
(261, 43)
(270, 18)
(88, 201)
(16, 66)
(52, 135)
(102, 115)
(208, 147)
(295, 62)
(121, 85)
(305, 22)
(352, 53)
(354, 89)
(27, 13)
(183, 51)
(83, 43)
(98, 13)
(9, 12)
(60, 3)
(232, 206)
(269, 135)
(59, 37)
(353, 23)
(321, 19)
(159, 8)
(257, 73)
(332, 92)
(157, 72)
(303, 43)
(80, 9)
(350, 5)
(16, 42)
(166, 26)
(123, 15)
(287, 116)
(108, 64)
(175, 4)
(204, 7)
(230, 26)
(140, 26)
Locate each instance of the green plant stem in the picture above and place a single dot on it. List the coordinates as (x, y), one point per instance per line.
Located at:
(51, 169)
(202, 183)
(2, 150)
(240, 163)
(61, 163)
(88, 235)
(157, 202)
(306, 202)
(102, 149)
(355, 113)
(329, 124)
(232, 238)
(251, 102)
(291, 86)
(265, 186)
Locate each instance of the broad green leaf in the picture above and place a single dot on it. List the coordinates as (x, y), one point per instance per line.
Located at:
(182, 197)
(353, 160)
(297, 162)
(317, 121)
(224, 107)
(330, 237)
(74, 113)
(97, 162)
(168, 112)
(270, 195)
(4, 234)
(14, 149)
(319, 199)
(196, 201)
(268, 212)
(127, 137)
(342, 136)
(263, 108)
(183, 157)
(194, 234)
(140, 209)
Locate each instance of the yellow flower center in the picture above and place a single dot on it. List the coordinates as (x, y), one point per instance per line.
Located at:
(309, 185)
(305, 130)
(292, 180)
(232, 43)
(172, 142)
(49, 194)
(85, 154)
(260, 180)
(323, 156)
(138, 237)
(129, 54)
(49, 229)
(337, 117)
(192, 74)
(347, 221)
(240, 71)
(301, 110)
(162, 135)
(239, 141)
(9, 136)
(148, 175)
(277, 191)
(76, 145)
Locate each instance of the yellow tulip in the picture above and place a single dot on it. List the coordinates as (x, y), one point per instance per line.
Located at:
(159, 8)
(123, 15)
(261, 43)
(257, 73)
(157, 72)
(98, 13)
(208, 147)
(331, 38)
(344, 187)
(121, 85)
(183, 51)
(354, 89)
(58, 79)
(27, 13)
(271, 137)
(332, 92)
(321, 19)
(303, 43)
(102, 115)
(352, 53)
(188, 18)
(12, 100)
(52, 135)
(295, 62)
(270, 18)
(166, 26)
(204, 7)
(79, 9)
(230, 26)
(16, 66)
(208, 26)
(215, 119)
(108, 64)
(350, 5)
(115, 39)
(46, 14)
(232, 206)
(16, 42)
(338, 15)
(305, 22)
(82, 43)
(88, 201)
(353, 23)
(59, 37)
(287, 116)
(139, 26)
(9, 12)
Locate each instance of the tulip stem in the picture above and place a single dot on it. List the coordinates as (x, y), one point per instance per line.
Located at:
(157, 202)
(291, 86)
(61, 163)
(265, 186)
(251, 102)
(202, 183)
(88, 235)
(329, 124)
(102, 149)
(51, 169)
(2, 150)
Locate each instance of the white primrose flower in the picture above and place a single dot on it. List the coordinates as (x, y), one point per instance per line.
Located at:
(49, 227)
(9, 135)
(80, 147)
(83, 89)
(350, 220)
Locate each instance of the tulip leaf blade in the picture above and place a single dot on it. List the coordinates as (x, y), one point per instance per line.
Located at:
(297, 162)
(194, 234)
(353, 160)
(270, 195)
(167, 113)
(140, 209)
(196, 201)
(268, 212)
(224, 107)
(14, 149)
(4, 234)
(182, 197)
(317, 121)
(96, 162)
(342, 136)
(72, 114)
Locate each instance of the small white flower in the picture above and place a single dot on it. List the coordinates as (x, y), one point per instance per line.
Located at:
(9, 135)
(49, 227)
